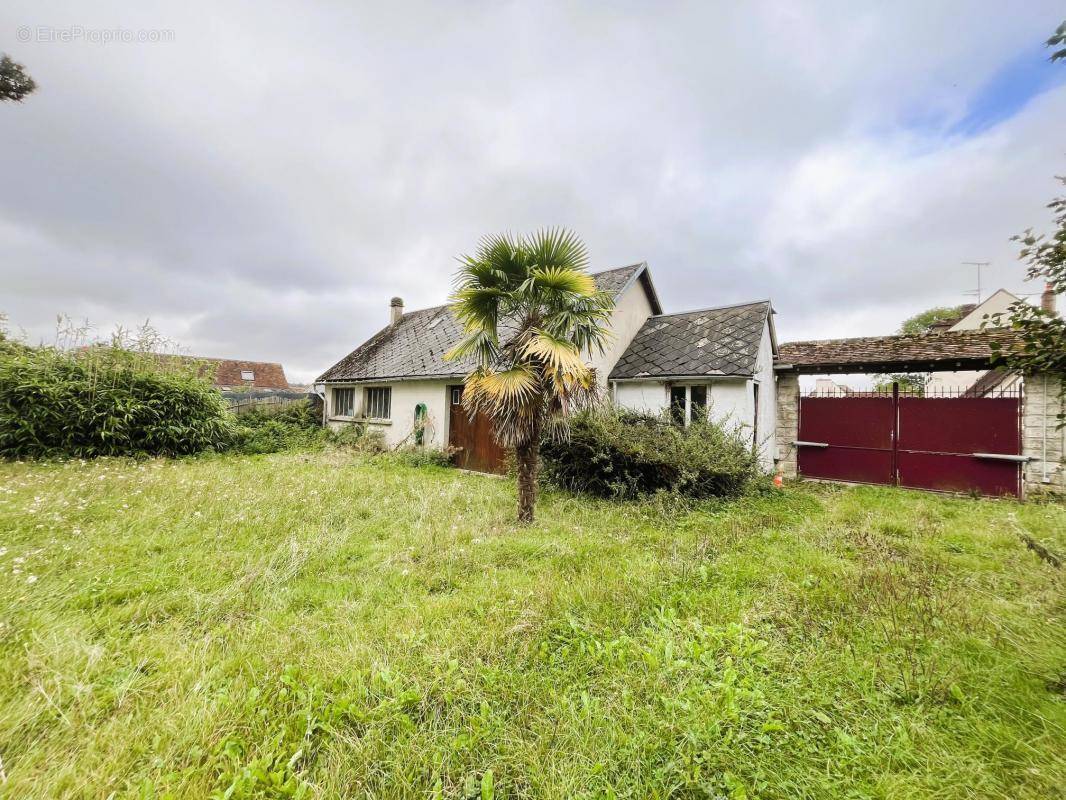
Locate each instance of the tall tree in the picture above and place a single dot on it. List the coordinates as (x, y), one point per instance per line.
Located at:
(15, 84)
(924, 321)
(921, 323)
(1043, 334)
(530, 311)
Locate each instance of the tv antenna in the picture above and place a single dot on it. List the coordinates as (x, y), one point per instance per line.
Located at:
(980, 265)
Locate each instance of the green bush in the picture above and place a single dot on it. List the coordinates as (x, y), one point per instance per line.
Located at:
(360, 437)
(271, 430)
(105, 400)
(619, 454)
(413, 456)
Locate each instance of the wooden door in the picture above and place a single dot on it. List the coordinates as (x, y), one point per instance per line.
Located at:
(472, 440)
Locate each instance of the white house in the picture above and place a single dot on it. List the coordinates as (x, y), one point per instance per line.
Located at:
(718, 359)
(972, 319)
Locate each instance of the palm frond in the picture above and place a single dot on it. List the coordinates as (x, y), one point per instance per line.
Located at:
(558, 354)
(478, 307)
(500, 391)
(561, 280)
(556, 247)
(480, 344)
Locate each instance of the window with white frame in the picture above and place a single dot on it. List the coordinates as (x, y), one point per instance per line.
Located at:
(378, 402)
(688, 403)
(344, 402)
(247, 375)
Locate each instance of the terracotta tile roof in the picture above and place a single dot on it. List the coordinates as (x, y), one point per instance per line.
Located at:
(266, 375)
(415, 346)
(944, 351)
(713, 341)
(228, 372)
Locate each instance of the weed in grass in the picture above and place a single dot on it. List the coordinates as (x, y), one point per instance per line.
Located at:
(914, 609)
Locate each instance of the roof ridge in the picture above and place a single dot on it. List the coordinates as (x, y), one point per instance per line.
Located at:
(711, 308)
(216, 358)
(616, 269)
(427, 308)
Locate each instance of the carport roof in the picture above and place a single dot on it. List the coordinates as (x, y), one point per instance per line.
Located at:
(932, 352)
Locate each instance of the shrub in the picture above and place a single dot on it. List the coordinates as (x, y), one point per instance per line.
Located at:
(414, 456)
(105, 400)
(620, 454)
(273, 429)
(359, 437)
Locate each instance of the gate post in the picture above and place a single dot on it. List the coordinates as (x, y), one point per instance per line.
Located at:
(895, 433)
(1042, 440)
(788, 396)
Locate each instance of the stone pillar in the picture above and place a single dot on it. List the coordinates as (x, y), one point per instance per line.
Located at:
(788, 392)
(1042, 439)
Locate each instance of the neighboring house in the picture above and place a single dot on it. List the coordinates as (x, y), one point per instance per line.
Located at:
(721, 359)
(230, 374)
(971, 319)
(827, 387)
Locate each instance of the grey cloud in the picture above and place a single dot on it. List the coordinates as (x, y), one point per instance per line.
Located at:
(264, 183)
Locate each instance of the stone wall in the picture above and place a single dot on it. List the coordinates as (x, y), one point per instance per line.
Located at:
(788, 392)
(1041, 439)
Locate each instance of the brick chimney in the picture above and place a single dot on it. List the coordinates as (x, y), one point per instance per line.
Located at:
(1047, 300)
(395, 310)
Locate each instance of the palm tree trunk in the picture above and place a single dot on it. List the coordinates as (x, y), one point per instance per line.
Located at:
(527, 456)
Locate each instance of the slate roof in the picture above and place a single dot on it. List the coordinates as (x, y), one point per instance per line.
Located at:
(713, 341)
(944, 351)
(415, 346)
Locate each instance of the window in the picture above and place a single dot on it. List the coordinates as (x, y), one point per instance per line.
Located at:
(688, 404)
(698, 403)
(677, 404)
(457, 395)
(344, 402)
(247, 375)
(378, 403)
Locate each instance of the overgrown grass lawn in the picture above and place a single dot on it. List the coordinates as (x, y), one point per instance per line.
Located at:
(326, 625)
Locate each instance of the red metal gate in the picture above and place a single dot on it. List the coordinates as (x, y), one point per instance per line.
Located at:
(947, 444)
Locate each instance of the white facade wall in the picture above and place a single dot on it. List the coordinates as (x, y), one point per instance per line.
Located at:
(631, 311)
(998, 303)
(406, 395)
(767, 382)
(651, 397)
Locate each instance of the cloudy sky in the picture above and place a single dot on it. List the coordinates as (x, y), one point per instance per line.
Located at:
(261, 181)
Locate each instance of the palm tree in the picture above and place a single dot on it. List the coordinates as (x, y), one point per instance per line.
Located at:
(530, 311)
